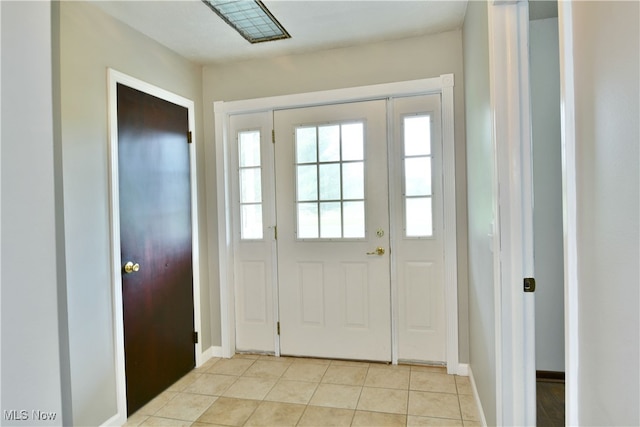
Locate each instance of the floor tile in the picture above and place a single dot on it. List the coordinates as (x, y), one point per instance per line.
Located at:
(430, 381)
(254, 389)
(292, 392)
(235, 366)
(250, 388)
(201, 424)
(387, 378)
(378, 419)
(276, 414)
(266, 369)
(157, 403)
(383, 400)
(228, 411)
(415, 421)
(135, 419)
(428, 368)
(185, 381)
(399, 367)
(313, 360)
(355, 363)
(207, 365)
(305, 372)
(211, 384)
(345, 375)
(321, 416)
(186, 406)
(463, 385)
(336, 396)
(273, 358)
(438, 405)
(468, 407)
(158, 421)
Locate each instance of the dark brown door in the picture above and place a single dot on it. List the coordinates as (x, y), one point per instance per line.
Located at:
(155, 222)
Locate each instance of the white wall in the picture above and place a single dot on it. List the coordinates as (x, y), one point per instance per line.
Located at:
(606, 62)
(547, 189)
(383, 62)
(33, 375)
(90, 42)
(480, 167)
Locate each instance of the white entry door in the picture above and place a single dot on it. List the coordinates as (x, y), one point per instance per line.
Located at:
(333, 231)
(354, 268)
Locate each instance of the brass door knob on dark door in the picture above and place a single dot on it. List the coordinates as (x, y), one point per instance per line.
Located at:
(130, 267)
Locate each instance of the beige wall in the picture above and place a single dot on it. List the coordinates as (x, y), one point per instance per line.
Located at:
(34, 370)
(547, 193)
(90, 42)
(480, 149)
(390, 61)
(606, 59)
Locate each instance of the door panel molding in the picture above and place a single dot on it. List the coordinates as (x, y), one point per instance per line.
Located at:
(113, 78)
(442, 85)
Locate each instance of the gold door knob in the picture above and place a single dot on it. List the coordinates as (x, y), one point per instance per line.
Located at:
(130, 267)
(379, 251)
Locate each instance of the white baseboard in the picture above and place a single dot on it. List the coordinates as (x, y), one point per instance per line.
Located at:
(213, 351)
(463, 369)
(483, 419)
(116, 420)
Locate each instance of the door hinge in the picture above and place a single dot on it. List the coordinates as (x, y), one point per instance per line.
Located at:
(189, 137)
(273, 136)
(529, 284)
(275, 232)
(195, 338)
(278, 327)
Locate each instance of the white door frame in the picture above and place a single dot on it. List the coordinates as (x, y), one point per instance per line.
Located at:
(569, 209)
(223, 110)
(514, 309)
(113, 78)
(508, 28)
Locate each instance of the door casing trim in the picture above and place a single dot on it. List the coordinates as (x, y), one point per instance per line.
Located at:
(113, 78)
(442, 85)
(515, 393)
(570, 212)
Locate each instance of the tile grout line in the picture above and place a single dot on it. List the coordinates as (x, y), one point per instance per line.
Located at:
(360, 395)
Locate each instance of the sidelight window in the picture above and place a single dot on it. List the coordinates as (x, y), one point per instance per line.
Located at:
(417, 158)
(250, 178)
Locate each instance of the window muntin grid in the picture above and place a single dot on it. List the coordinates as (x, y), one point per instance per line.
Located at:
(329, 166)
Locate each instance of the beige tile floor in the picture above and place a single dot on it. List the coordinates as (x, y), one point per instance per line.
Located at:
(255, 390)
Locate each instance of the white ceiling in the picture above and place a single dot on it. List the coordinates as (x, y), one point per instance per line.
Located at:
(190, 28)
